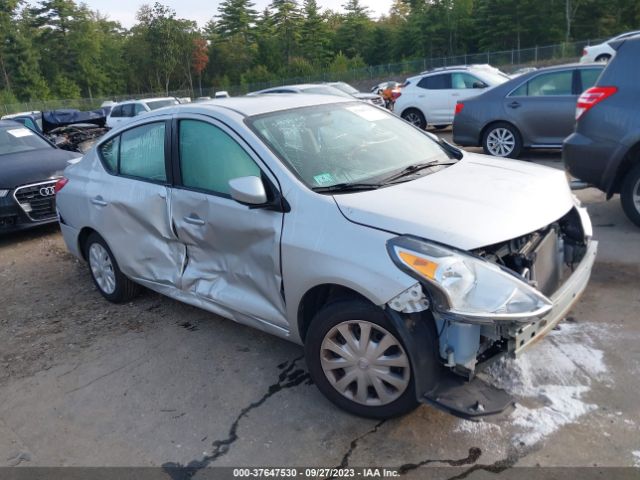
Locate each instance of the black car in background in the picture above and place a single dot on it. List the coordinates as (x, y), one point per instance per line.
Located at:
(534, 110)
(604, 150)
(30, 165)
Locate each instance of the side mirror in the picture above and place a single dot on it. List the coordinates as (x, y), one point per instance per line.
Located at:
(248, 190)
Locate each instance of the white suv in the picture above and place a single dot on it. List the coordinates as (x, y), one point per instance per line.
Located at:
(603, 52)
(124, 112)
(431, 97)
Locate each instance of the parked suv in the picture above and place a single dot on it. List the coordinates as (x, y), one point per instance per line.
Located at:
(605, 148)
(124, 112)
(534, 110)
(430, 98)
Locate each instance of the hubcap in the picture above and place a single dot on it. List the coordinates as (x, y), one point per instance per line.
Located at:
(500, 142)
(413, 118)
(102, 268)
(365, 363)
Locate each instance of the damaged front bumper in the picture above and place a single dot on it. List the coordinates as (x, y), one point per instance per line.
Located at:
(455, 388)
(563, 300)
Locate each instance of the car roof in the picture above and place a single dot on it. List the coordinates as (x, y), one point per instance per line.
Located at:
(139, 100)
(260, 104)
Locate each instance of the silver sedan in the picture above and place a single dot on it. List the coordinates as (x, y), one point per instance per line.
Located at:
(400, 262)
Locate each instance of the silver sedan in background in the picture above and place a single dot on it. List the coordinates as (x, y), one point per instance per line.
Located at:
(401, 263)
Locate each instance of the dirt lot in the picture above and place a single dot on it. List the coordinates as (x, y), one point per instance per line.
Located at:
(155, 382)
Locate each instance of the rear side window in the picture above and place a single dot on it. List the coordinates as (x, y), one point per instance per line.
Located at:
(209, 158)
(138, 109)
(547, 85)
(138, 152)
(588, 77)
(436, 82)
(109, 153)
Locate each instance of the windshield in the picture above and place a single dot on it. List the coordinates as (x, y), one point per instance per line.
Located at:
(19, 139)
(327, 145)
(345, 87)
(494, 78)
(156, 104)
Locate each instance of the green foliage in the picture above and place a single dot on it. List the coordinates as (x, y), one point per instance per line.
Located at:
(62, 49)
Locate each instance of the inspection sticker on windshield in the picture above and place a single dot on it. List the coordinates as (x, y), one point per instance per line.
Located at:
(368, 113)
(323, 178)
(20, 132)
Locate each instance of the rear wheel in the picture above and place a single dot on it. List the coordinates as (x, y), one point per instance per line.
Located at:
(358, 361)
(502, 140)
(605, 57)
(415, 117)
(107, 277)
(630, 195)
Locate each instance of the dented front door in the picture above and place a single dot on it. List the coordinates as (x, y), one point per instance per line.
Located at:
(233, 254)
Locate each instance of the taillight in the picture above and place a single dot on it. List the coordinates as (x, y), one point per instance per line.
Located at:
(60, 184)
(459, 107)
(591, 98)
(584, 52)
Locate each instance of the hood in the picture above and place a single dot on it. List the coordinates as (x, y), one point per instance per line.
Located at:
(33, 166)
(479, 201)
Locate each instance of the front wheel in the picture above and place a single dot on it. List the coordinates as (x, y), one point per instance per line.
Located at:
(502, 140)
(107, 277)
(630, 195)
(358, 361)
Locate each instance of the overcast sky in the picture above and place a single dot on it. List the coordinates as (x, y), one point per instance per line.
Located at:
(202, 10)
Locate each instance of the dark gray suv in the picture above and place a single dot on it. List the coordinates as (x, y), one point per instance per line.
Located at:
(534, 110)
(605, 148)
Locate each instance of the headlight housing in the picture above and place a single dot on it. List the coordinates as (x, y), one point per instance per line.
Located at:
(466, 286)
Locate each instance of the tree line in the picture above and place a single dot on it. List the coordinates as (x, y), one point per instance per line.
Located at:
(63, 49)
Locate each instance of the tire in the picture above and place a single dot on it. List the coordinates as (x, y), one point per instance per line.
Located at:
(415, 117)
(440, 127)
(338, 326)
(605, 57)
(630, 195)
(106, 275)
(502, 140)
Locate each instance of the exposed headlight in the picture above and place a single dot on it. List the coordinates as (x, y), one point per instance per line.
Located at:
(467, 286)
(4, 193)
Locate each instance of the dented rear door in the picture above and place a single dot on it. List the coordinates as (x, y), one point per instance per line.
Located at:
(129, 206)
(232, 251)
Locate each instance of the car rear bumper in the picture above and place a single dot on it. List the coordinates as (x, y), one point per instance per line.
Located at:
(594, 161)
(466, 132)
(563, 300)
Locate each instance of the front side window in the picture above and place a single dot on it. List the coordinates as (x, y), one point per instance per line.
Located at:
(209, 158)
(547, 85)
(461, 80)
(328, 145)
(117, 111)
(142, 152)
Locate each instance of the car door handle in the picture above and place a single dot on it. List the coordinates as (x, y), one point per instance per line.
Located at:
(99, 201)
(194, 221)
(514, 104)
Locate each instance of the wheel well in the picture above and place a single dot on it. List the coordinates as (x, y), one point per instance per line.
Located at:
(82, 238)
(630, 160)
(317, 298)
(494, 122)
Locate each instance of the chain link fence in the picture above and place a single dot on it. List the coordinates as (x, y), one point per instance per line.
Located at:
(507, 60)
